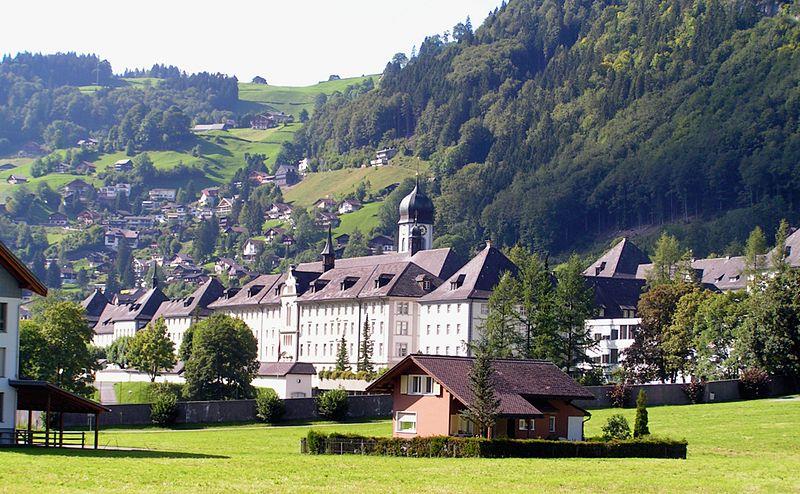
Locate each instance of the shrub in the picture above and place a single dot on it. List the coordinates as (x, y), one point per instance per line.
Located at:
(332, 404)
(694, 391)
(269, 407)
(616, 428)
(753, 383)
(164, 409)
(619, 395)
(464, 447)
(592, 377)
(640, 428)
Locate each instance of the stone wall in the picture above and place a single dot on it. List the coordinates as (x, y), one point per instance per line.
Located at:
(233, 411)
(673, 394)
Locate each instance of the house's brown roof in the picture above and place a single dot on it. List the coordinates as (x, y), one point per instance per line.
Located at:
(476, 279)
(283, 368)
(518, 384)
(621, 261)
(20, 272)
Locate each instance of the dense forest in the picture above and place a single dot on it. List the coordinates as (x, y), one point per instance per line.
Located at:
(555, 119)
(41, 101)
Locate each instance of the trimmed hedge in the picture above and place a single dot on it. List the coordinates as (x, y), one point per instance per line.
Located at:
(469, 447)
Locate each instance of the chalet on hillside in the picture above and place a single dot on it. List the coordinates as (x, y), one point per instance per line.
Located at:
(123, 165)
(57, 219)
(349, 206)
(16, 179)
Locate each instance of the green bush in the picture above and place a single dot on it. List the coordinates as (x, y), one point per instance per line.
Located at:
(469, 447)
(269, 407)
(616, 428)
(332, 404)
(164, 409)
(619, 395)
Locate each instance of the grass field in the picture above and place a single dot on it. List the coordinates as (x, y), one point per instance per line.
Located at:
(259, 97)
(338, 183)
(733, 447)
(365, 219)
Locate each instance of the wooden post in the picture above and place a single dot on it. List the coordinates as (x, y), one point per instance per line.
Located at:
(47, 423)
(96, 427)
(60, 429)
(29, 439)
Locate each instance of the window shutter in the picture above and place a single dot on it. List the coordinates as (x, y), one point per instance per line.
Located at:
(403, 385)
(437, 389)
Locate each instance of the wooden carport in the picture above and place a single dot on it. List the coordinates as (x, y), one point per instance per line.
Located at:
(45, 397)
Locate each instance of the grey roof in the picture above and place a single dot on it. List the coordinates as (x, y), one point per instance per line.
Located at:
(476, 279)
(615, 294)
(94, 304)
(439, 262)
(284, 368)
(252, 293)
(142, 309)
(195, 304)
(621, 261)
(722, 273)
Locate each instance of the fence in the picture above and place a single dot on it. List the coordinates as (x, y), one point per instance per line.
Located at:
(232, 411)
(674, 394)
(53, 438)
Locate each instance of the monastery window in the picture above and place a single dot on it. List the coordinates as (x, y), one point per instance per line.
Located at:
(402, 349)
(448, 308)
(447, 329)
(438, 308)
(301, 350)
(351, 349)
(427, 349)
(429, 309)
(381, 332)
(324, 349)
(402, 328)
(447, 350)
(458, 328)
(428, 329)
(438, 326)
(380, 349)
(437, 350)
(458, 307)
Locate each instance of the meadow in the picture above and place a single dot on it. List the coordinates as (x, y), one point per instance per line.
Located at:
(733, 447)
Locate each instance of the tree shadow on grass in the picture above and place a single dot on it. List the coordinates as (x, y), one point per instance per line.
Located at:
(113, 453)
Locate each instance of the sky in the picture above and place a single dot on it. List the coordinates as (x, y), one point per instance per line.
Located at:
(289, 42)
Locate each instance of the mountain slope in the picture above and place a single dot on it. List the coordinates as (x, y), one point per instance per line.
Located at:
(554, 122)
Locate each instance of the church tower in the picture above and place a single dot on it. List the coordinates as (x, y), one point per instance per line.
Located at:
(416, 220)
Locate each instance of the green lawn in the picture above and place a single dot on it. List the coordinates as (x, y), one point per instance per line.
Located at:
(733, 447)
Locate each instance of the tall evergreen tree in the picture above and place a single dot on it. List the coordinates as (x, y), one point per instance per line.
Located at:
(501, 329)
(640, 427)
(53, 274)
(754, 252)
(341, 355)
(574, 304)
(485, 406)
(778, 259)
(365, 352)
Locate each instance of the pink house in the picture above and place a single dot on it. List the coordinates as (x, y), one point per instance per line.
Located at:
(430, 391)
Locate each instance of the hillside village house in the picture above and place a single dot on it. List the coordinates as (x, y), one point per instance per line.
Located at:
(162, 194)
(114, 236)
(208, 197)
(348, 206)
(16, 179)
(123, 165)
(252, 248)
(430, 391)
(383, 156)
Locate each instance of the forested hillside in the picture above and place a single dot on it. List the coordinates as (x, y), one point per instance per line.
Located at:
(556, 122)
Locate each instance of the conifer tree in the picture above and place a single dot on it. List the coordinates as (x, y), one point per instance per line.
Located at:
(779, 253)
(484, 408)
(754, 251)
(640, 428)
(365, 353)
(341, 355)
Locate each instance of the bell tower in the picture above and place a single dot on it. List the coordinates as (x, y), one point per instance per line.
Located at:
(416, 222)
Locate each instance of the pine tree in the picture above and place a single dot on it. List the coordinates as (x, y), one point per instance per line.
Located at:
(574, 304)
(754, 251)
(640, 428)
(484, 408)
(779, 253)
(365, 353)
(53, 275)
(341, 355)
(38, 266)
(501, 330)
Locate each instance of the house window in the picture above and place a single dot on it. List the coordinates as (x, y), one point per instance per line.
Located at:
(402, 349)
(552, 423)
(2, 362)
(3, 312)
(614, 334)
(614, 356)
(406, 422)
(402, 328)
(531, 425)
(465, 427)
(1, 406)
(287, 340)
(523, 424)
(420, 385)
(428, 329)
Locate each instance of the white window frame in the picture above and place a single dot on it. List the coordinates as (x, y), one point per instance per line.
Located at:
(3, 317)
(425, 385)
(397, 422)
(552, 423)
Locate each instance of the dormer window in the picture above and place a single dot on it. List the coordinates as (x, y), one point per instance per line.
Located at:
(599, 269)
(347, 283)
(188, 301)
(383, 280)
(254, 290)
(278, 289)
(458, 282)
